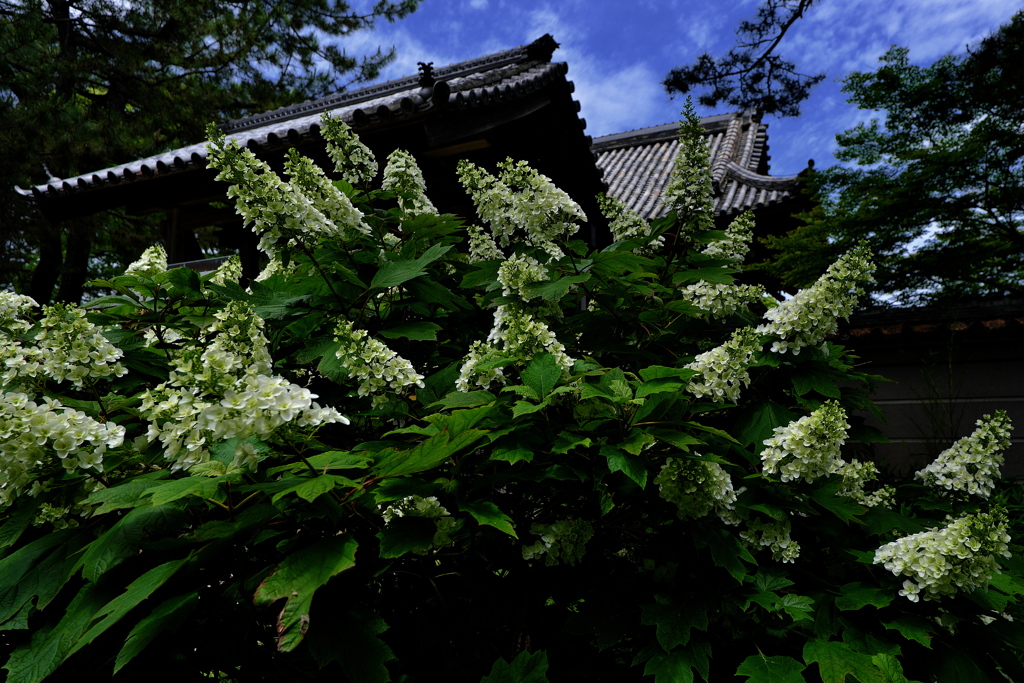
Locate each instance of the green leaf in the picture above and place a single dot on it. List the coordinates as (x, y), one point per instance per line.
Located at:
(843, 507)
(126, 537)
(167, 616)
(856, 595)
(728, 553)
(394, 273)
(167, 492)
(715, 274)
(566, 441)
(836, 660)
(512, 454)
(553, 290)
(486, 512)
(406, 534)
(813, 381)
(527, 667)
(350, 638)
(892, 670)
(137, 591)
(24, 512)
(761, 669)
(311, 489)
(428, 453)
(469, 399)
(678, 666)
(36, 572)
(297, 578)
(913, 628)
(680, 440)
(630, 465)
(527, 408)
(128, 494)
(417, 331)
(673, 622)
(759, 422)
(542, 374)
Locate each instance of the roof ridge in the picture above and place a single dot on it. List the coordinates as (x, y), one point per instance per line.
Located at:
(541, 49)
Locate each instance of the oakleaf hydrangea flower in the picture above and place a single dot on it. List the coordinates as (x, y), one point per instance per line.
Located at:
(807, 448)
(696, 487)
(352, 159)
(403, 175)
(563, 542)
(856, 476)
(33, 432)
(971, 465)
(724, 369)
(625, 223)
(737, 240)
(229, 271)
(225, 390)
(958, 556)
(471, 376)
(773, 534)
(516, 272)
(429, 507)
(377, 368)
(481, 246)
(152, 262)
(721, 300)
(690, 191)
(814, 313)
(332, 202)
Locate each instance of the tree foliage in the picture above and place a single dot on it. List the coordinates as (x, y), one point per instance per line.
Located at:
(938, 186)
(526, 458)
(752, 75)
(86, 84)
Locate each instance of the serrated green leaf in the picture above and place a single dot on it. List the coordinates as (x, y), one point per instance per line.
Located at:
(566, 441)
(417, 331)
(137, 591)
(126, 537)
(527, 667)
(913, 628)
(759, 422)
(728, 553)
(553, 290)
(406, 534)
(855, 595)
(715, 274)
(843, 507)
(892, 670)
(311, 489)
(761, 669)
(678, 666)
(19, 517)
(169, 491)
(486, 512)
(427, 454)
(521, 390)
(468, 399)
(630, 465)
(512, 454)
(350, 638)
(297, 578)
(527, 408)
(680, 440)
(36, 572)
(673, 622)
(167, 616)
(394, 273)
(836, 660)
(542, 374)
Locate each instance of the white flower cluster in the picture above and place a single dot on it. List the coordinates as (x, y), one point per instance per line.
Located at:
(971, 465)
(737, 240)
(31, 432)
(429, 507)
(225, 390)
(523, 336)
(403, 175)
(14, 322)
(724, 369)
(696, 487)
(689, 192)
(773, 534)
(564, 542)
(273, 209)
(516, 272)
(856, 476)
(327, 198)
(152, 262)
(481, 246)
(352, 159)
(958, 556)
(807, 448)
(378, 368)
(522, 200)
(721, 300)
(471, 376)
(814, 313)
(229, 271)
(625, 223)
(66, 347)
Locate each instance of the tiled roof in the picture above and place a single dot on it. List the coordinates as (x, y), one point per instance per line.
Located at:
(477, 83)
(637, 165)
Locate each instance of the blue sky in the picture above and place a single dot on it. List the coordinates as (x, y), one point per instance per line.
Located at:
(619, 52)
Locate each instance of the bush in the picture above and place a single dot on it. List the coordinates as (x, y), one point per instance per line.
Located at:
(414, 449)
